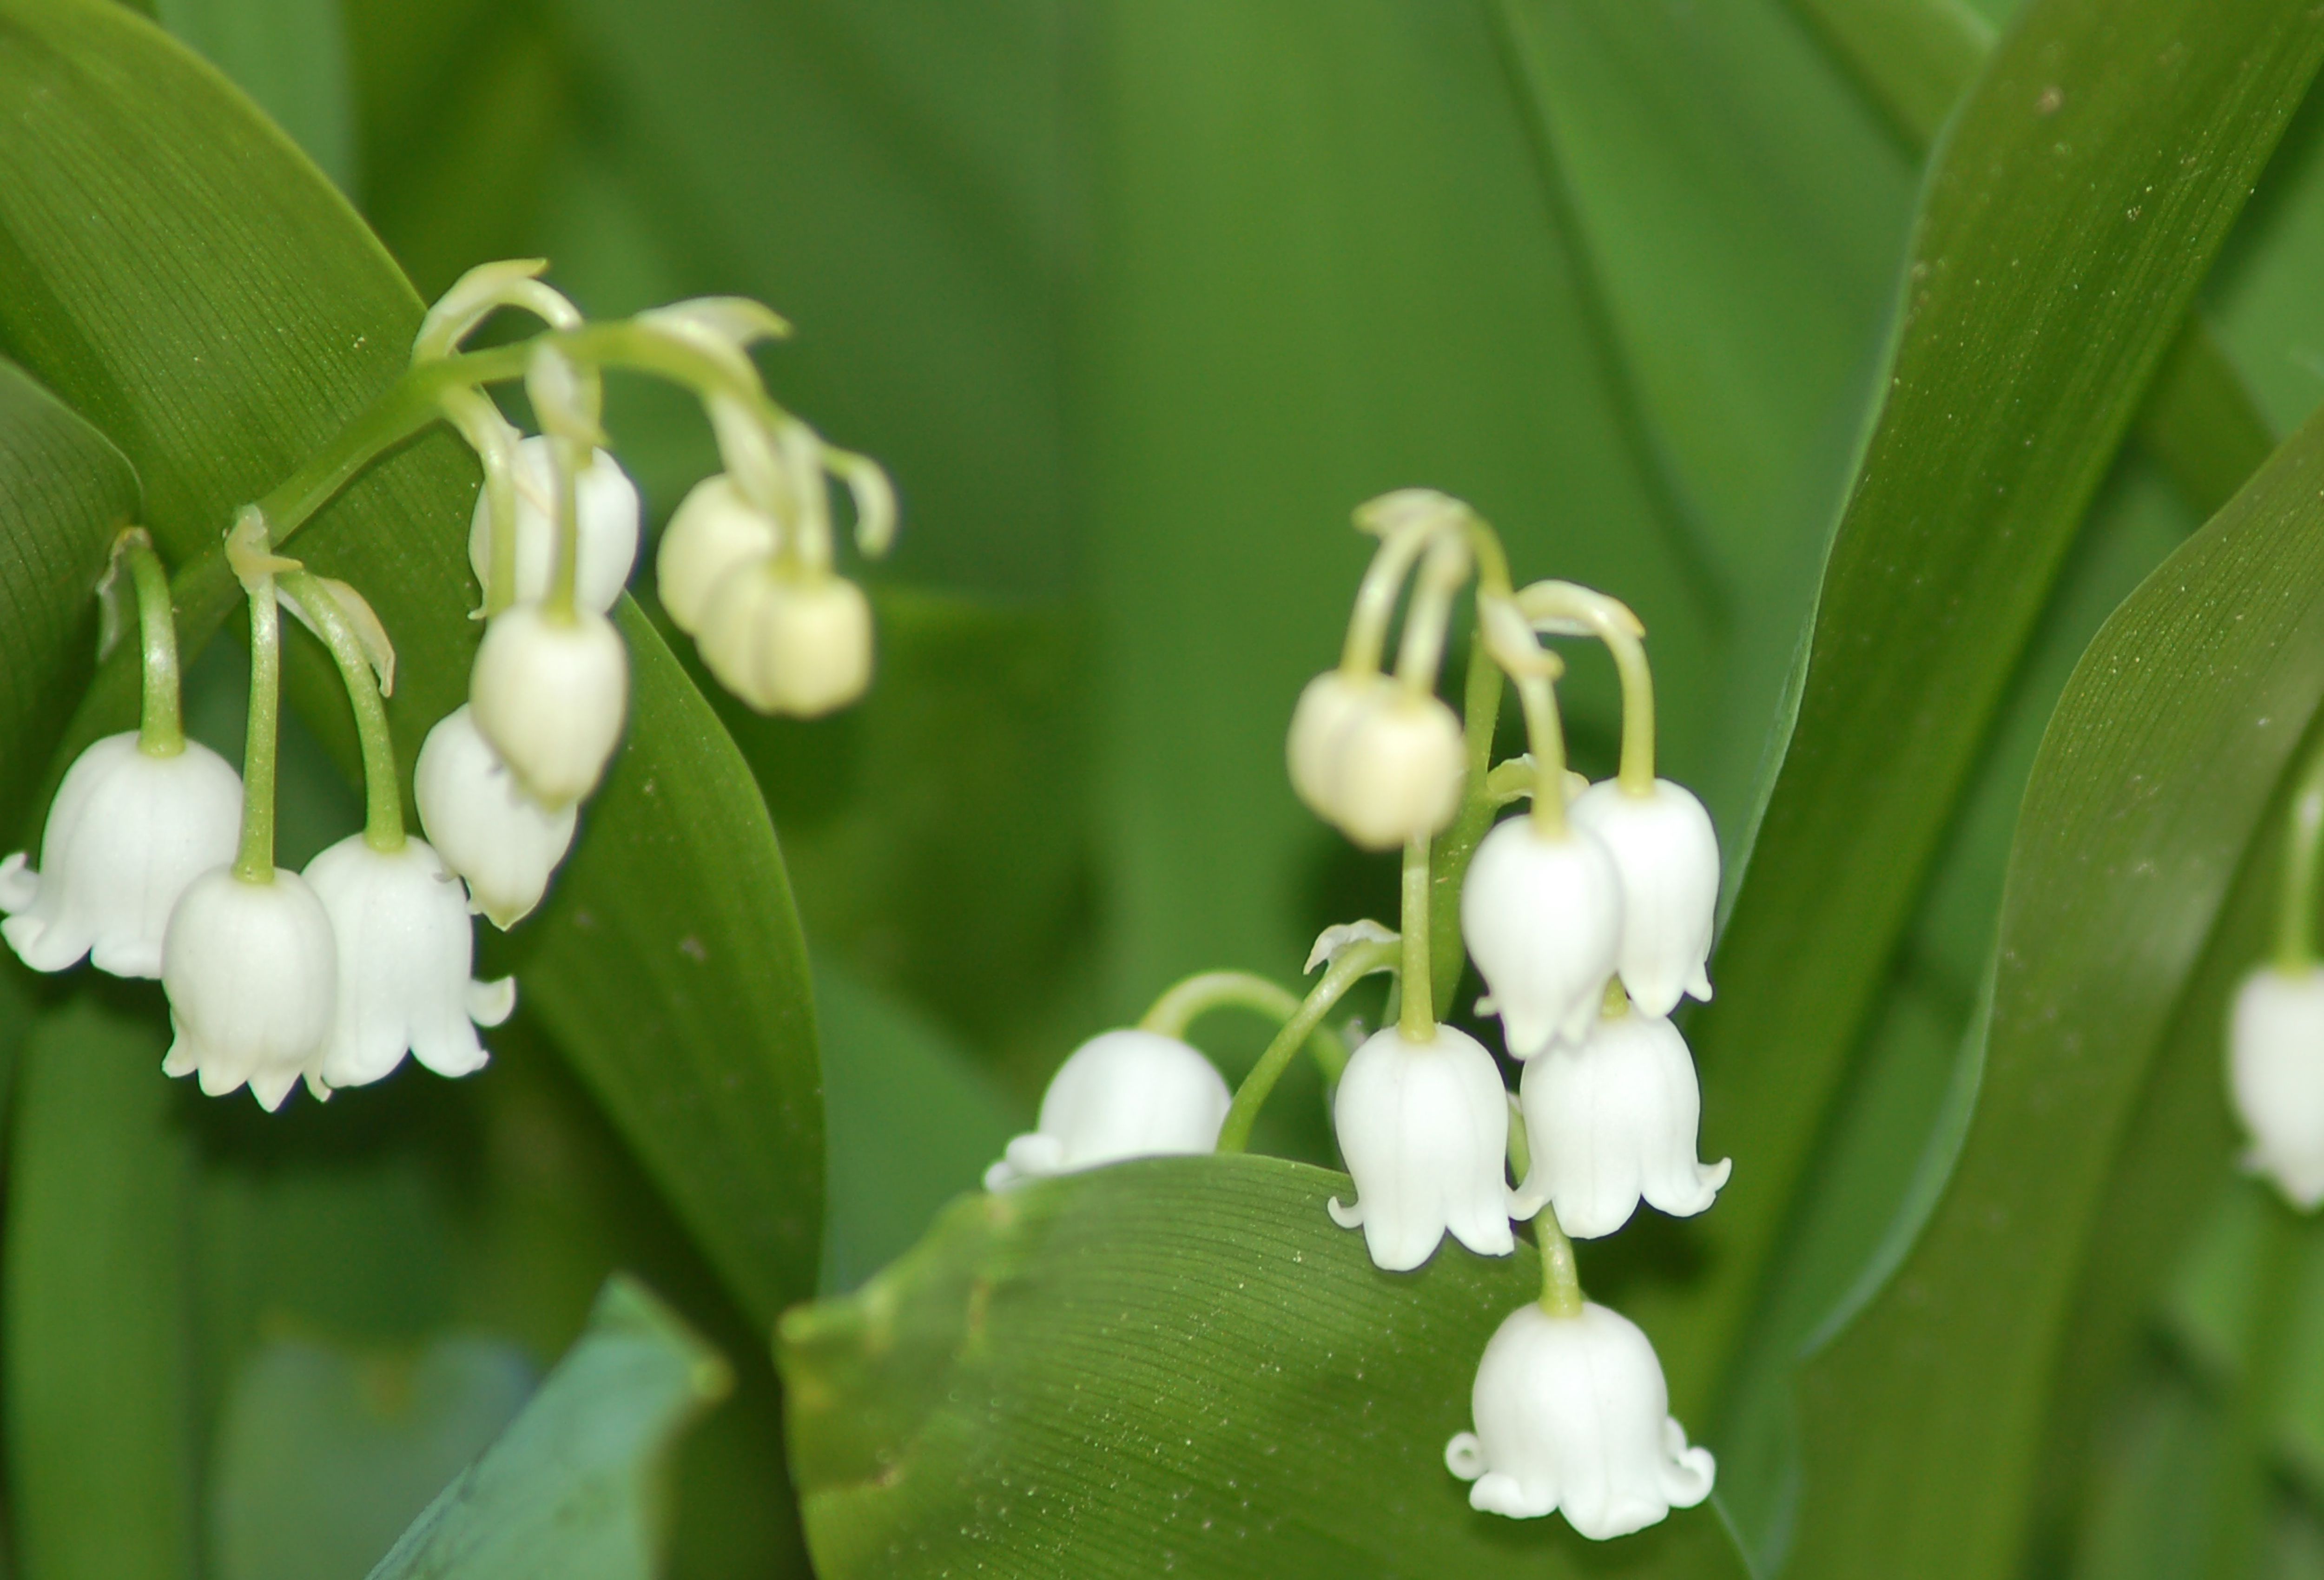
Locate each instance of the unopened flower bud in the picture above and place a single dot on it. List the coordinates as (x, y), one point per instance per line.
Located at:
(787, 643)
(1663, 846)
(1612, 1121)
(606, 511)
(1382, 765)
(1572, 1415)
(482, 825)
(1328, 704)
(712, 535)
(1424, 1128)
(251, 971)
(1541, 915)
(550, 694)
(404, 949)
(1124, 1094)
(126, 835)
(2276, 1077)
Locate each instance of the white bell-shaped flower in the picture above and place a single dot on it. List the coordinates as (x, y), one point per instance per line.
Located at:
(1124, 1094)
(1541, 915)
(1425, 1130)
(1396, 769)
(550, 694)
(788, 643)
(1611, 1121)
(251, 971)
(605, 510)
(1327, 706)
(1572, 1416)
(482, 825)
(2276, 1077)
(126, 835)
(405, 949)
(712, 535)
(1663, 846)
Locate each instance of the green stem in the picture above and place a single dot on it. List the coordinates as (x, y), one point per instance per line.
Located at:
(1636, 774)
(1418, 1017)
(494, 440)
(1188, 1001)
(1561, 1281)
(255, 862)
(2247, 1468)
(383, 799)
(1520, 1144)
(1546, 738)
(160, 731)
(1352, 966)
(1480, 713)
(566, 570)
(2295, 932)
(1375, 596)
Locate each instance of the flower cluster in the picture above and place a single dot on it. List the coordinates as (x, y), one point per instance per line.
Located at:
(158, 859)
(1588, 918)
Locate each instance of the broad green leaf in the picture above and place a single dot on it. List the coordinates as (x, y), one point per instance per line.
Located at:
(64, 492)
(324, 1455)
(912, 1122)
(2156, 771)
(2060, 239)
(97, 1305)
(1174, 1365)
(230, 315)
(571, 1488)
(291, 56)
(1321, 268)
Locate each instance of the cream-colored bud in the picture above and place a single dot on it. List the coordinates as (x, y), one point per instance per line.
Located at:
(787, 643)
(1396, 773)
(1330, 704)
(714, 532)
(550, 694)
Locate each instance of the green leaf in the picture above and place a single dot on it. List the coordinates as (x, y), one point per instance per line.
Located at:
(64, 492)
(97, 1304)
(570, 1489)
(225, 321)
(1178, 1364)
(2060, 237)
(2150, 786)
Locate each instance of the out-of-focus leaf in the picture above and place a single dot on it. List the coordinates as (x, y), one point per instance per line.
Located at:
(1174, 1365)
(2152, 1517)
(2151, 779)
(291, 56)
(910, 1120)
(1321, 269)
(64, 492)
(227, 316)
(2059, 241)
(570, 1491)
(326, 1455)
(97, 1307)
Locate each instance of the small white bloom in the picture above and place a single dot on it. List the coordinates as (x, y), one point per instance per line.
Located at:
(126, 834)
(404, 949)
(1542, 920)
(1327, 706)
(787, 643)
(2276, 1077)
(1663, 846)
(251, 972)
(1572, 1415)
(712, 534)
(550, 694)
(1611, 1121)
(605, 507)
(486, 829)
(1425, 1129)
(1124, 1094)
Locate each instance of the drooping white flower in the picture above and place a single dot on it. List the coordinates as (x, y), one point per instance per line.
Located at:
(2275, 1078)
(251, 971)
(482, 825)
(126, 835)
(550, 694)
(1662, 845)
(714, 532)
(1425, 1130)
(788, 643)
(1327, 705)
(1542, 916)
(1612, 1120)
(1572, 1415)
(1123, 1094)
(405, 949)
(605, 509)
(1396, 768)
